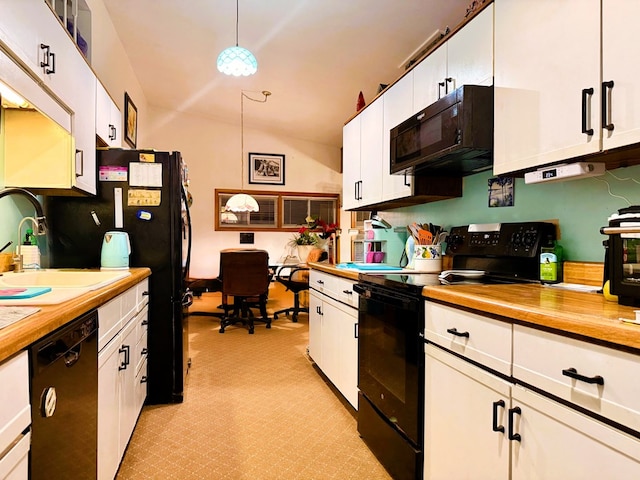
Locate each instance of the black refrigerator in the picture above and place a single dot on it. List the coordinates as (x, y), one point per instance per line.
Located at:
(141, 192)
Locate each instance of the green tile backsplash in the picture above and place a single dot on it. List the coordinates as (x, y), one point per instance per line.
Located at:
(581, 206)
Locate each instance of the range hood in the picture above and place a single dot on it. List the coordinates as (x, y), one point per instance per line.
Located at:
(453, 136)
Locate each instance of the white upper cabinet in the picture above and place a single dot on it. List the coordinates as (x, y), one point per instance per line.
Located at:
(398, 106)
(108, 123)
(362, 157)
(552, 84)
(620, 43)
(465, 59)
(35, 38)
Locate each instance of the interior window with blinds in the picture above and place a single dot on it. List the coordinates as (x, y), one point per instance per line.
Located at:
(296, 210)
(278, 211)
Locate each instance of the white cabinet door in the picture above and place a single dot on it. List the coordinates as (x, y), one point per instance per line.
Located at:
(351, 164)
(83, 104)
(315, 327)
(398, 107)
(109, 361)
(619, 44)
(427, 78)
(558, 442)
(466, 410)
(108, 124)
(128, 412)
(546, 54)
(371, 133)
(470, 52)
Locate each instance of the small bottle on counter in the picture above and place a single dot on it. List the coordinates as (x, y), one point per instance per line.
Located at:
(29, 251)
(550, 261)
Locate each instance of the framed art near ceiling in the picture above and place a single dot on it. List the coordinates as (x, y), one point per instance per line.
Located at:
(130, 121)
(266, 168)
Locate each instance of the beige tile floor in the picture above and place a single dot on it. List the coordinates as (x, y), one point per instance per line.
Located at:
(255, 408)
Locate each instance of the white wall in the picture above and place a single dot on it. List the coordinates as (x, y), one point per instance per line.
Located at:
(211, 149)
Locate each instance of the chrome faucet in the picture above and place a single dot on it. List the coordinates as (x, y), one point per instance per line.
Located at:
(40, 219)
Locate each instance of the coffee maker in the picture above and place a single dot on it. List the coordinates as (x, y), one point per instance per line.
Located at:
(622, 255)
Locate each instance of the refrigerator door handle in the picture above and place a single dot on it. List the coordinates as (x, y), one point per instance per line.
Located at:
(187, 265)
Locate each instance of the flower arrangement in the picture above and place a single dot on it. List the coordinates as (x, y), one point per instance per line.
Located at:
(313, 231)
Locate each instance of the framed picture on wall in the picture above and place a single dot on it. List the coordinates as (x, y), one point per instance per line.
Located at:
(130, 121)
(266, 168)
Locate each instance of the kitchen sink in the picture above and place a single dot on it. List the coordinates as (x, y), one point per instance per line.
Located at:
(62, 278)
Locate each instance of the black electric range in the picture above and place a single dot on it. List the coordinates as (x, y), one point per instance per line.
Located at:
(390, 333)
(495, 253)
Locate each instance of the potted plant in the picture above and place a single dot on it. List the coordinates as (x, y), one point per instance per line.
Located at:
(312, 235)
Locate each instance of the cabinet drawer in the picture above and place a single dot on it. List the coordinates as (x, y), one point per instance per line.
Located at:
(481, 339)
(142, 293)
(129, 304)
(540, 358)
(338, 288)
(109, 321)
(15, 410)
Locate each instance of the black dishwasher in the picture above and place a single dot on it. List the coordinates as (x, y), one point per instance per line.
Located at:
(64, 401)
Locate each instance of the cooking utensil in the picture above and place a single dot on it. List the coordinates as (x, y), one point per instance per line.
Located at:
(10, 242)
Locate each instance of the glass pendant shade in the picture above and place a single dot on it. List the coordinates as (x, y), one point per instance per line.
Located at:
(241, 202)
(237, 61)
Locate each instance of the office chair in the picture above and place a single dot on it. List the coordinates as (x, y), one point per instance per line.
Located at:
(296, 280)
(245, 276)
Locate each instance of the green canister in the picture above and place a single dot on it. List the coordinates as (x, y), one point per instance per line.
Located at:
(550, 261)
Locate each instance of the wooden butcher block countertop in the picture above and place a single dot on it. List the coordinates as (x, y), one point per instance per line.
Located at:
(582, 315)
(23, 333)
(587, 316)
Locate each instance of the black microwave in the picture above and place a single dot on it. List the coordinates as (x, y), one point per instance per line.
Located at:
(453, 136)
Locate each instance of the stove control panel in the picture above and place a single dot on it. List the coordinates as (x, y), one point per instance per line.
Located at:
(499, 239)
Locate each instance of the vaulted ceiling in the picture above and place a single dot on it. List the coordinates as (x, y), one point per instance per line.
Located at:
(315, 56)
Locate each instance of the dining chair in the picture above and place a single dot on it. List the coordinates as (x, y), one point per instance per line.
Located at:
(296, 279)
(245, 277)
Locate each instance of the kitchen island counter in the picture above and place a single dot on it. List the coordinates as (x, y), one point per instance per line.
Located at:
(23, 333)
(587, 316)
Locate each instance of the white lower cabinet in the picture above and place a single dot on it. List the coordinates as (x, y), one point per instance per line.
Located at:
(482, 424)
(557, 441)
(333, 341)
(121, 375)
(465, 420)
(15, 418)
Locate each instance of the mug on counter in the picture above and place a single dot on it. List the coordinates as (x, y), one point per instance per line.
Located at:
(427, 258)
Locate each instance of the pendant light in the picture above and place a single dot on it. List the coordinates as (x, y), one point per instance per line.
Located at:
(243, 202)
(237, 61)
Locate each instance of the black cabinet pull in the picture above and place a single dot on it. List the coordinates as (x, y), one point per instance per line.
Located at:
(355, 330)
(321, 282)
(406, 182)
(144, 351)
(496, 405)
(112, 132)
(573, 373)
(355, 190)
(446, 88)
(347, 292)
(143, 379)
(512, 412)
(440, 85)
(454, 331)
(124, 349)
(586, 92)
(47, 56)
(606, 90)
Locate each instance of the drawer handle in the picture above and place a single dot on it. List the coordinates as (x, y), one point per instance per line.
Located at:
(512, 412)
(347, 292)
(143, 379)
(145, 293)
(496, 405)
(573, 373)
(144, 351)
(454, 331)
(320, 282)
(126, 350)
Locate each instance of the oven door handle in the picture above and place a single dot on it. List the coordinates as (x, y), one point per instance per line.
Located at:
(359, 289)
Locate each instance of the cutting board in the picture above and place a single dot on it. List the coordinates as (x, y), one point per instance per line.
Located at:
(369, 267)
(22, 292)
